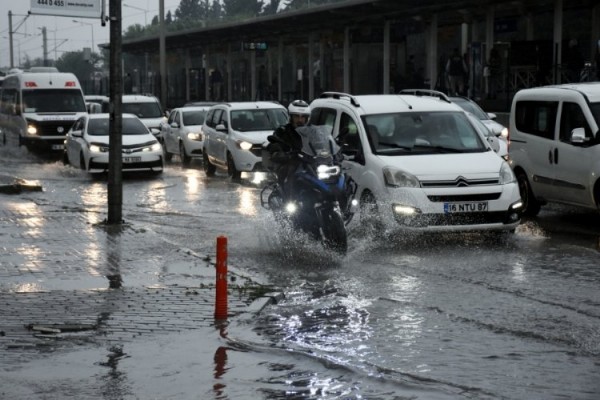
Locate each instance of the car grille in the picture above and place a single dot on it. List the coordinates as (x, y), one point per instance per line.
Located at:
(460, 182)
(132, 148)
(464, 197)
(52, 128)
(257, 150)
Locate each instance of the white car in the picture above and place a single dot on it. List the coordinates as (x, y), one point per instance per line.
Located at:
(86, 145)
(234, 134)
(182, 134)
(420, 164)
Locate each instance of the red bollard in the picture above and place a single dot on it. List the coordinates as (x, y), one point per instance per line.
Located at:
(221, 284)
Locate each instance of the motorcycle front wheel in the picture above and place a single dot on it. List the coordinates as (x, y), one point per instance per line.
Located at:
(334, 232)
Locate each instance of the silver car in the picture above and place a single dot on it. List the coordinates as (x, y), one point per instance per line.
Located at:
(182, 134)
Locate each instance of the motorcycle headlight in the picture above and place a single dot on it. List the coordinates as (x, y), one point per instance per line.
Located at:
(398, 178)
(325, 172)
(506, 174)
(195, 136)
(244, 145)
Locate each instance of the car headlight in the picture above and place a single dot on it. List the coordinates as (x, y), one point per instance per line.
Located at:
(153, 147)
(32, 129)
(195, 136)
(244, 145)
(98, 148)
(504, 133)
(506, 174)
(397, 178)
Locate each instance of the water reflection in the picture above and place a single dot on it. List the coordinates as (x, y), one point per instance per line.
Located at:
(192, 184)
(247, 202)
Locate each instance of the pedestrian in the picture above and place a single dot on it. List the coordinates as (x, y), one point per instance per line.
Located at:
(494, 71)
(574, 61)
(456, 70)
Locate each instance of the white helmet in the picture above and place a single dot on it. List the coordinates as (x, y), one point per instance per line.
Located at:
(299, 107)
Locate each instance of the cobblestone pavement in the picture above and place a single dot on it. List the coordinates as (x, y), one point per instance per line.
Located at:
(67, 281)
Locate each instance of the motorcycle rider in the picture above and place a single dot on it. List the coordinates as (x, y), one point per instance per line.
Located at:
(284, 142)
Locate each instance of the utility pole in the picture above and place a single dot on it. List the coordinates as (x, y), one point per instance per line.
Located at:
(115, 140)
(10, 38)
(45, 39)
(162, 55)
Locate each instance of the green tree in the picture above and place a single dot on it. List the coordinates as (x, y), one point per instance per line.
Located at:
(134, 31)
(243, 8)
(190, 10)
(215, 11)
(271, 8)
(75, 62)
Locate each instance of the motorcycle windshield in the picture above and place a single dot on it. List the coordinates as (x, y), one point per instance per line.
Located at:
(317, 141)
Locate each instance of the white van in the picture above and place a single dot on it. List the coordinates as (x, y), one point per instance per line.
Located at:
(38, 108)
(555, 145)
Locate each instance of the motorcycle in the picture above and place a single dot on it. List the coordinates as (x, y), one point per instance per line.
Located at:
(320, 200)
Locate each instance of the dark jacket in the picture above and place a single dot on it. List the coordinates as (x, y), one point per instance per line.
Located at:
(284, 140)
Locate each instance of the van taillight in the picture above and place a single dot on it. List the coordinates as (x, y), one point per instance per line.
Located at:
(70, 84)
(30, 84)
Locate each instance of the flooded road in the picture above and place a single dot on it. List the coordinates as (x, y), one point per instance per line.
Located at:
(398, 317)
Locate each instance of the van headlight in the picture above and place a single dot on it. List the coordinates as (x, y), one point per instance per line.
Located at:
(506, 174)
(31, 129)
(195, 136)
(244, 145)
(398, 178)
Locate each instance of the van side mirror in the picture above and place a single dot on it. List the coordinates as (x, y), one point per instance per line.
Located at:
(221, 127)
(492, 116)
(578, 136)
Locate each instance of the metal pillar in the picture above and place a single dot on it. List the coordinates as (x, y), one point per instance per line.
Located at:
(432, 42)
(386, 57)
(346, 60)
(558, 24)
(162, 54)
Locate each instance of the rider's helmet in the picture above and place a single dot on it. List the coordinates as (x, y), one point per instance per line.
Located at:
(299, 111)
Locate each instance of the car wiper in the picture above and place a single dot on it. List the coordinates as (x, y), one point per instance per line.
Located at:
(397, 146)
(443, 149)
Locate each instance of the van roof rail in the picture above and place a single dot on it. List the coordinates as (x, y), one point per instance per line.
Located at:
(426, 92)
(339, 95)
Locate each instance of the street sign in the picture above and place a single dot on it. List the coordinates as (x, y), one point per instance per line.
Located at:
(253, 46)
(68, 8)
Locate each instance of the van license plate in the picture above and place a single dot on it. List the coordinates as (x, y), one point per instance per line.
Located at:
(58, 147)
(128, 160)
(481, 206)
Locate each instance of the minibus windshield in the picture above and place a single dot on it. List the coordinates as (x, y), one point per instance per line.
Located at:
(53, 101)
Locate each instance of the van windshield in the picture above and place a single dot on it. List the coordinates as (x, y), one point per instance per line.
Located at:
(53, 101)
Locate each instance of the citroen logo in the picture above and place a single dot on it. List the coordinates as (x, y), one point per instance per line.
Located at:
(461, 181)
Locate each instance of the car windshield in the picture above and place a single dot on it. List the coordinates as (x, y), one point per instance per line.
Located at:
(193, 117)
(258, 120)
(53, 100)
(471, 107)
(143, 110)
(411, 133)
(131, 126)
